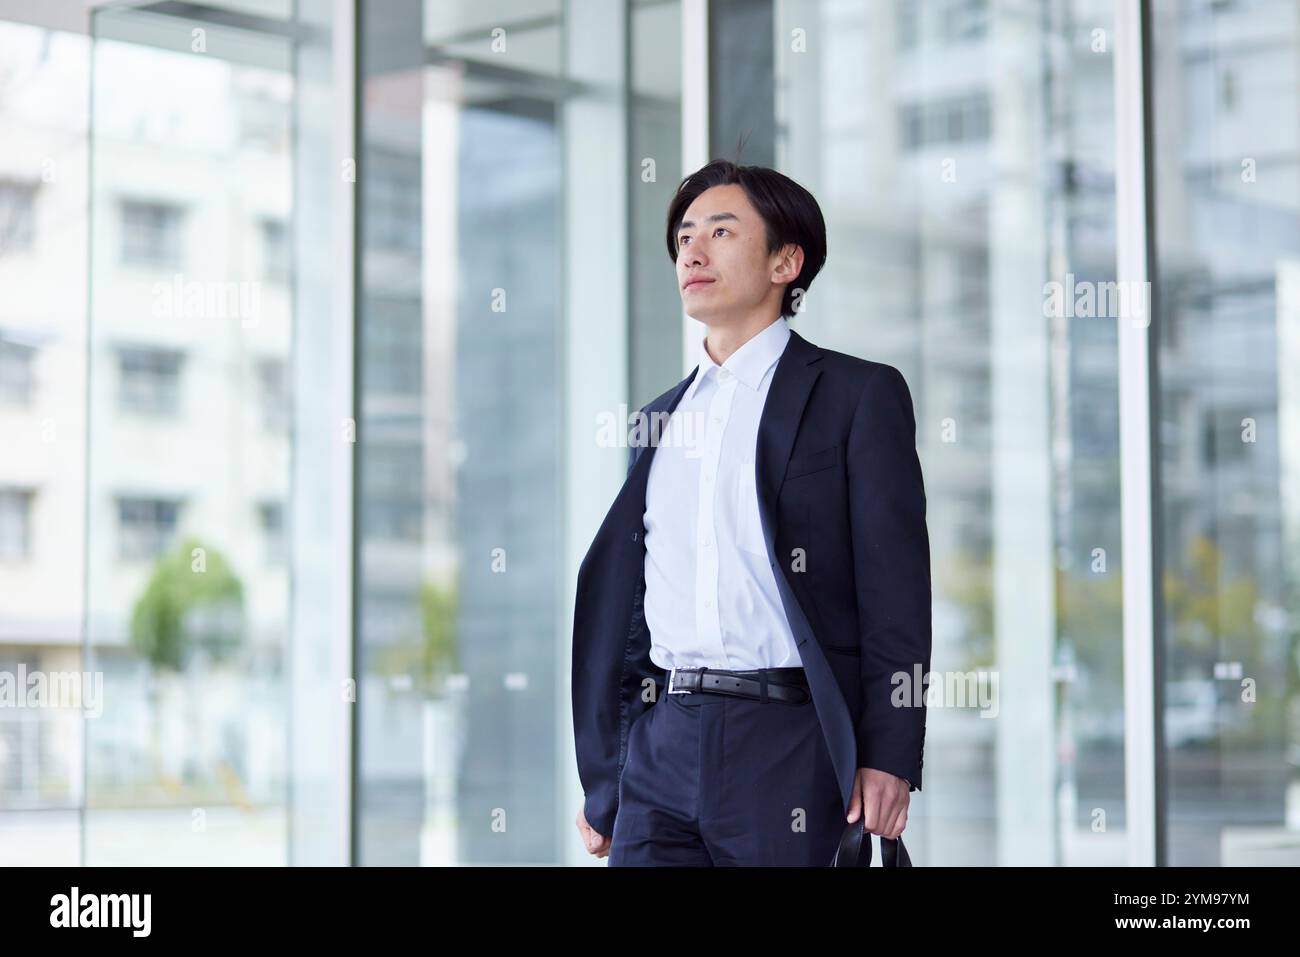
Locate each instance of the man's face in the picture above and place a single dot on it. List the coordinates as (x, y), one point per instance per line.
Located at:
(722, 241)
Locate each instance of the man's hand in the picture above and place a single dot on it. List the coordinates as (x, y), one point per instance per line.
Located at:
(882, 798)
(594, 842)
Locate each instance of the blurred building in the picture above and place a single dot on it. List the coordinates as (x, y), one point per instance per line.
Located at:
(338, 294)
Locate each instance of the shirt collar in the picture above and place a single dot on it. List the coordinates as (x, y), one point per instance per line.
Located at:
(750, 362)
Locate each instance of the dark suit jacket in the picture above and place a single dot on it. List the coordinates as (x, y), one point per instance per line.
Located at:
(843, 510)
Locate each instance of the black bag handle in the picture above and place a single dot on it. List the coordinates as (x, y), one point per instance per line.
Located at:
(855, 849)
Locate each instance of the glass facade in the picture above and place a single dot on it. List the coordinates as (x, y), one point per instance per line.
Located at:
(477, 127)
(316, 313)
(964, 155)
(1227, 226)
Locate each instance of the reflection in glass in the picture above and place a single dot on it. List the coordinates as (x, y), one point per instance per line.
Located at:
(474, 133)
(963, 155)
(1227, 142)
(190, 330)
(44, 93)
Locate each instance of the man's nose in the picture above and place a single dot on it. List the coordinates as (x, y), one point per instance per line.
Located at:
(693, 255)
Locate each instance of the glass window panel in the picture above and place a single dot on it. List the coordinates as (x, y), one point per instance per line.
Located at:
(962, 153)
(472, 188)
(44, 104)
(188, 620)
(1227, 148)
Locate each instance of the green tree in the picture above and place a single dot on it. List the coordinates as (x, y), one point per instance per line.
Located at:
(192, 600)
(432, 655)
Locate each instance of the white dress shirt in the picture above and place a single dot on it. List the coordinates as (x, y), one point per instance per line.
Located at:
(710, 592)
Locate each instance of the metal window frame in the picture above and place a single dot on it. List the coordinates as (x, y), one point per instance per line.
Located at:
(695, 130)
(1140, 494)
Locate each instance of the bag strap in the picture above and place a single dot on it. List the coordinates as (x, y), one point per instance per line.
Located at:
(855, 849)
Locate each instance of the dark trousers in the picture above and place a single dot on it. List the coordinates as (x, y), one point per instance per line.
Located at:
(727, 781)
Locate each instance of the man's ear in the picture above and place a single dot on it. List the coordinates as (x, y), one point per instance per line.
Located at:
(793, 254)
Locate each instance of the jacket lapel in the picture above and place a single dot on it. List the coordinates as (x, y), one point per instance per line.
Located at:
(648, 440)
(786, 397)
(792, 383)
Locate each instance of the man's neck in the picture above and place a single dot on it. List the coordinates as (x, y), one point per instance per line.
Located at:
(721, 343)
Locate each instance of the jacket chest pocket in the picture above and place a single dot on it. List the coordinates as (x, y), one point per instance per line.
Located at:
(813, 462)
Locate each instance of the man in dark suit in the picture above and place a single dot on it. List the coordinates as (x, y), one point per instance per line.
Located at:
(751, 630)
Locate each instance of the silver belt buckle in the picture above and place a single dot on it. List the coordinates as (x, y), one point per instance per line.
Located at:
(672, 674)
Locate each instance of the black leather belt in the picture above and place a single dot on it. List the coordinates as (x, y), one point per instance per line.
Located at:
(762, 684)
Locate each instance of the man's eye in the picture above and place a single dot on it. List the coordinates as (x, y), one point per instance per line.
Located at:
(682, 241)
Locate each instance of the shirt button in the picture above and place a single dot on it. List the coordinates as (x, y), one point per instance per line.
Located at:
(708, 603)
(724, 374)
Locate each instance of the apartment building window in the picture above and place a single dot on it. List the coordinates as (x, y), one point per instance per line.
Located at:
(963, 20)
(151, 233)
(392, 203)
(270, 516)
(15, 372)
(275, 250)
(962, 119)
(1223, 436)
(941, 22)
(908, 23)
(149, 380)
(273, 394)
(15, 523)
(392, 477)
(17, 215)
(391, 341)
(145, 527)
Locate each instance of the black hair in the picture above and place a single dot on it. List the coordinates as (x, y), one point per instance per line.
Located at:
(790, 215)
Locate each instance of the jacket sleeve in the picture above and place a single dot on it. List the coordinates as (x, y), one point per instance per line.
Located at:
(891, 561)
(607, 679)
(600, 714)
